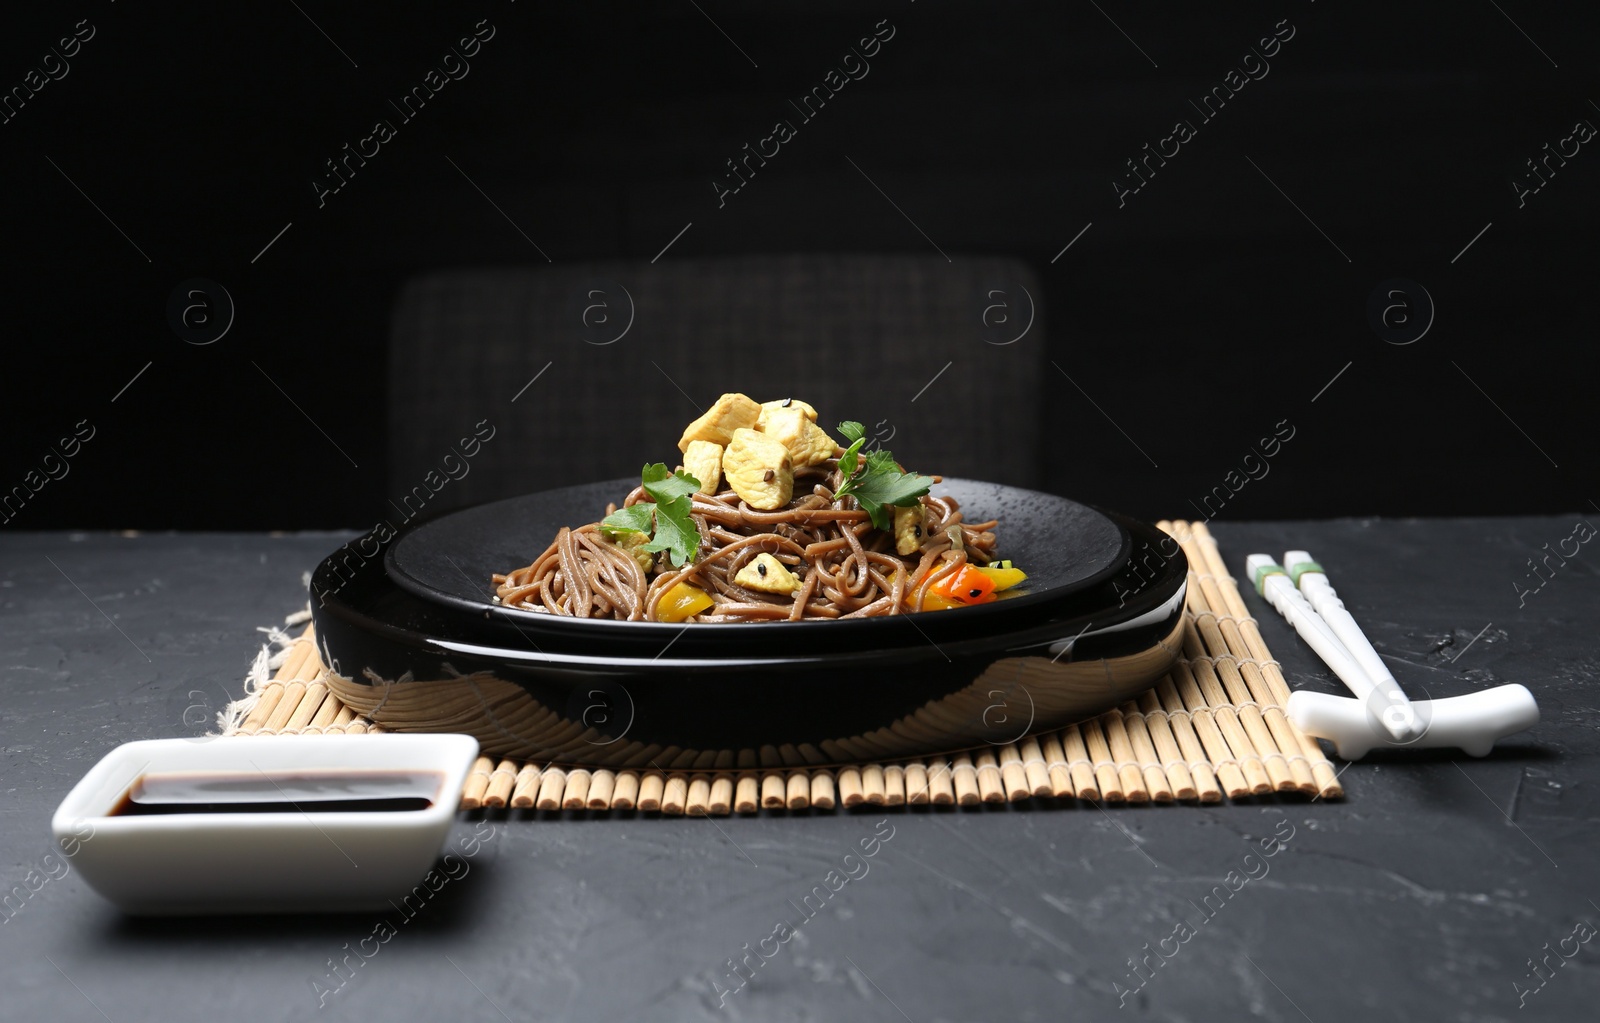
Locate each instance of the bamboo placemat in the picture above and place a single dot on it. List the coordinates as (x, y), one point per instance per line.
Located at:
(1214, 727)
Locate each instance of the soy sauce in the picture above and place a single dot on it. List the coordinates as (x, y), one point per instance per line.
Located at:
(279, 792)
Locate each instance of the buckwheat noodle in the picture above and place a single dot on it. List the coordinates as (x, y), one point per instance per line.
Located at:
(846, 567)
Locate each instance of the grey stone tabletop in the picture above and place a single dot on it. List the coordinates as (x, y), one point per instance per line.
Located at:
(1441, 887)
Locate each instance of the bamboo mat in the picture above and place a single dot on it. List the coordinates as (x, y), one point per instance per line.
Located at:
(1214, 727)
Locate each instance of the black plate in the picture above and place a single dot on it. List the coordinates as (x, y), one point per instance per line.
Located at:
(727, 694)
(1066, 548)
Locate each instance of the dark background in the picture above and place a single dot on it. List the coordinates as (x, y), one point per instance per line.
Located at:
(1196, 317)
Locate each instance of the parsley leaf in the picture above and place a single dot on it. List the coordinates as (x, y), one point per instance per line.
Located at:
(638, 518)
(888, 487)
(675, 533)
(666, 518)
(879, 482)
(666, 487)
(879, 460)
(856, 434)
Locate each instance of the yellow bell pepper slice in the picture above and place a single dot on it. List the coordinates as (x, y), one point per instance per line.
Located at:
(1004, 578)
(682, 601)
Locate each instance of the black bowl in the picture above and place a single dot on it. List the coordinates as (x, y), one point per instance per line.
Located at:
(414, 652)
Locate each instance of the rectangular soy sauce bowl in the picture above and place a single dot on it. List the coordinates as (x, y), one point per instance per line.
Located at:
(260, 862)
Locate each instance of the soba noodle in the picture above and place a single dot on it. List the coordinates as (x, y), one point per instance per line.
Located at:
(846, 567)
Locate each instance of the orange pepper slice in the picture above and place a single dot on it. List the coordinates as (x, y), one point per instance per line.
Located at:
(966, 586)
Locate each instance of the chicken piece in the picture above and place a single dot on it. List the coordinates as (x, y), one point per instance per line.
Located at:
(759, 470)
(807, 442)
(766, 574)
(703, 460)
(631, 542)
(731, 412)
(771, 406)
(908, 529)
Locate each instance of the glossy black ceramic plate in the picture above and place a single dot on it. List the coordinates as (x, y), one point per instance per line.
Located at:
(1066, 548)
(617, 694)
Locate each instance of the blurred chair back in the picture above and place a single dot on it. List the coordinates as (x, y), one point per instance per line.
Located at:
(587, 372)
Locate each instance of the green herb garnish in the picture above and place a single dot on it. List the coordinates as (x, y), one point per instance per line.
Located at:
(876, 481)
(666, 521)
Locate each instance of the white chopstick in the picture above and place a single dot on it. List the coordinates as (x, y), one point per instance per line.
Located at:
(1275, 584)
(1398, 716)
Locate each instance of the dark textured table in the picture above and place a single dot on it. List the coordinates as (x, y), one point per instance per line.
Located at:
(1441, 888)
